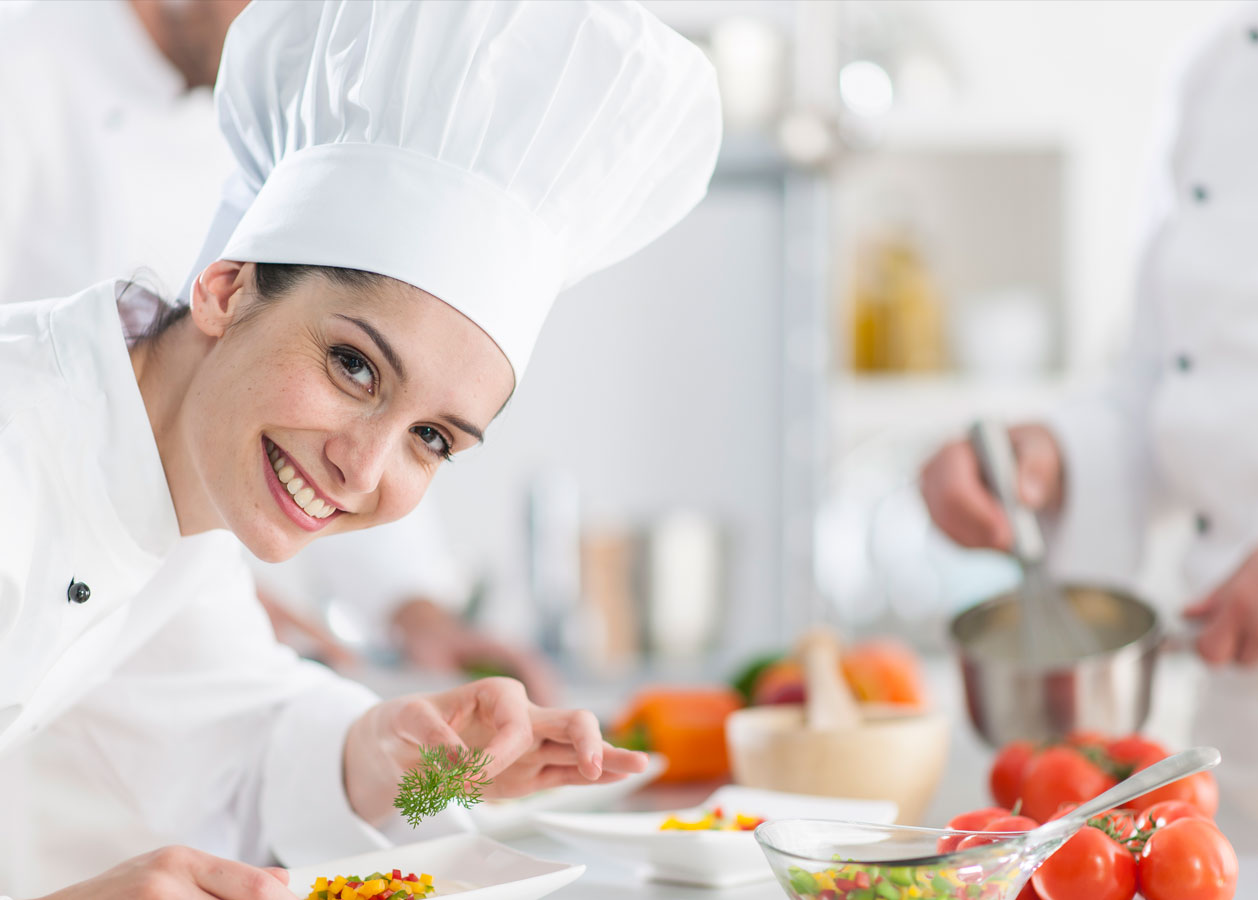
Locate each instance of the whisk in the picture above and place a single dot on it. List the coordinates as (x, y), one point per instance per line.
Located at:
(1050, 628)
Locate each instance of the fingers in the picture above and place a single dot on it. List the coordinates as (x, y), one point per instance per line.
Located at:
(557, 776)
(576, 727)
(1219, 641)
(166, 869)
(510, 714)
(629, 762)
(1039, 466)
(1204, 607)
(959, 502)
(276, 871)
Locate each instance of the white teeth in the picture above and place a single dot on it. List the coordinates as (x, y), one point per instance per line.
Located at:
(303, 495)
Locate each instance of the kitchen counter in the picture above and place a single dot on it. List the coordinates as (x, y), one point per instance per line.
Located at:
(964, 787)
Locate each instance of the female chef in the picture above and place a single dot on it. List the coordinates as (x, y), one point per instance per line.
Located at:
(1175, 428)
(416, 182)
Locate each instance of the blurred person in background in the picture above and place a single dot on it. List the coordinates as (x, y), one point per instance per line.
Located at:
(1175, 427)
(112, 148)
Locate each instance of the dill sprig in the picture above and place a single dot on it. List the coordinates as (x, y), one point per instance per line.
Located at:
(444, 774)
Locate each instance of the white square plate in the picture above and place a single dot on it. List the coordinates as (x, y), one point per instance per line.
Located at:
(470, 866)
(505, 819)
(707, 858)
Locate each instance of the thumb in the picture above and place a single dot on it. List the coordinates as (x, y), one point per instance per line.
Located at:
(281, 874)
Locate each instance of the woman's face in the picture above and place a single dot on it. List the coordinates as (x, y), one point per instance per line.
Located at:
(328, 409)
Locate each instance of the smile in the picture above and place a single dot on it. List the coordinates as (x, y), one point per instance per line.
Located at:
(299, 497)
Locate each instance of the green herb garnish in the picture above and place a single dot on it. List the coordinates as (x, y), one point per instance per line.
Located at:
(445, 774)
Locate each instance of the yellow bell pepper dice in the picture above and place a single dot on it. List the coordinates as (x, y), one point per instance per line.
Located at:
(425, 879)
(321, 884)
(349, 894)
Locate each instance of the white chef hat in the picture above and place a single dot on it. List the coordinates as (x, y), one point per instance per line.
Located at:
(489, 153)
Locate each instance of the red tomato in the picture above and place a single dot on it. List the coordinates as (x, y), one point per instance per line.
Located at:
(1188, 859)
(1133, 748)
(998, 829)
(1090, 865)
(1201, 790)
(1086, 739)
(1007, 771)
(1060, 775)
(975, 820)
(1166, 812)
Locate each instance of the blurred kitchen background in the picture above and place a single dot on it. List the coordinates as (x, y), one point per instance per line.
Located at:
(925, 210)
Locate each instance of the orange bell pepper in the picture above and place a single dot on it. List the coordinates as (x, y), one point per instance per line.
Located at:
(685, 725)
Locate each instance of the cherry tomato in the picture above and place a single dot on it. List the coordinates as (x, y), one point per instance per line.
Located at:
(998, 829)
(1189, 859)
(1133, 748)
(1007, 772)
(1086, 739)
(975, 820)
(1201, 790)
(1060, 775)
(1166, 812)
(1090, 865)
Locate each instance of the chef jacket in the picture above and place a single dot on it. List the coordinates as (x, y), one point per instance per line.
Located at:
(215, 732)
(1176, 428)
(109, 168)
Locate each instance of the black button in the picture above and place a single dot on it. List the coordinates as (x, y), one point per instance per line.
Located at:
(1202, 522)
(78, 592)
(1200, 194)
(1253, 35)
(1183, 362)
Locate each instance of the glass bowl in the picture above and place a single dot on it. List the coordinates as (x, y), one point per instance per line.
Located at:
(821, 860)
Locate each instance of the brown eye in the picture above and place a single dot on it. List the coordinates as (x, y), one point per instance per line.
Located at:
(433, 439)
(355, 367)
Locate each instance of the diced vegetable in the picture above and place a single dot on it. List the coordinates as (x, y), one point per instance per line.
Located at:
(376, 886)
(713, 820)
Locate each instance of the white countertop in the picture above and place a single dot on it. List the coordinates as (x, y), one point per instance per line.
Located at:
(964, 787)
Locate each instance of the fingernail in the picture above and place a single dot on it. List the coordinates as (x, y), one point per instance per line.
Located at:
(597, 765)
(1033, 488)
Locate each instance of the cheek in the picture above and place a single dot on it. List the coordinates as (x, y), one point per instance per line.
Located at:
(401, 494)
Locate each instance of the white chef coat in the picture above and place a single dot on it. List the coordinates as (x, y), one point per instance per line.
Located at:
(109, 167)
(216, 733)
(1177, 426)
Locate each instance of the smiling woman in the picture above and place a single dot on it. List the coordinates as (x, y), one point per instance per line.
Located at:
(415, 184)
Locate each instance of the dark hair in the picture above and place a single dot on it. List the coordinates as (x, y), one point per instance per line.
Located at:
(272, 281)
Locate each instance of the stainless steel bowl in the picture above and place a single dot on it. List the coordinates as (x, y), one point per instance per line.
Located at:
(1008, 698)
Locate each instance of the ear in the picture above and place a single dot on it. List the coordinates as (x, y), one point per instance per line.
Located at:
(218, 295)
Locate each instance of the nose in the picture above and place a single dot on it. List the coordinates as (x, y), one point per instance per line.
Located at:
(359, 456)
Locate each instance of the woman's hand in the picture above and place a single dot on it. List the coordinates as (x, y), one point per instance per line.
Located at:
(180, 873)
(531, 747)
(1229, 618)
(963, 507)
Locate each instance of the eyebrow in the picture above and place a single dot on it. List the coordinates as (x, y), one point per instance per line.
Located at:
(386, 349)
(391, 356)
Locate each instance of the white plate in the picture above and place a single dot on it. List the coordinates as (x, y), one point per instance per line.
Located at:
(505, 819)
(470, 866)
(707, 858)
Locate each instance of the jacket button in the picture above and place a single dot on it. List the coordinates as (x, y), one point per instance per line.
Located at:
(78, 592)
(1183, 362)
(1202, 523)
(1200, 194)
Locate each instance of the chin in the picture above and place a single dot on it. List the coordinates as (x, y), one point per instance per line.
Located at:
(270, 546)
